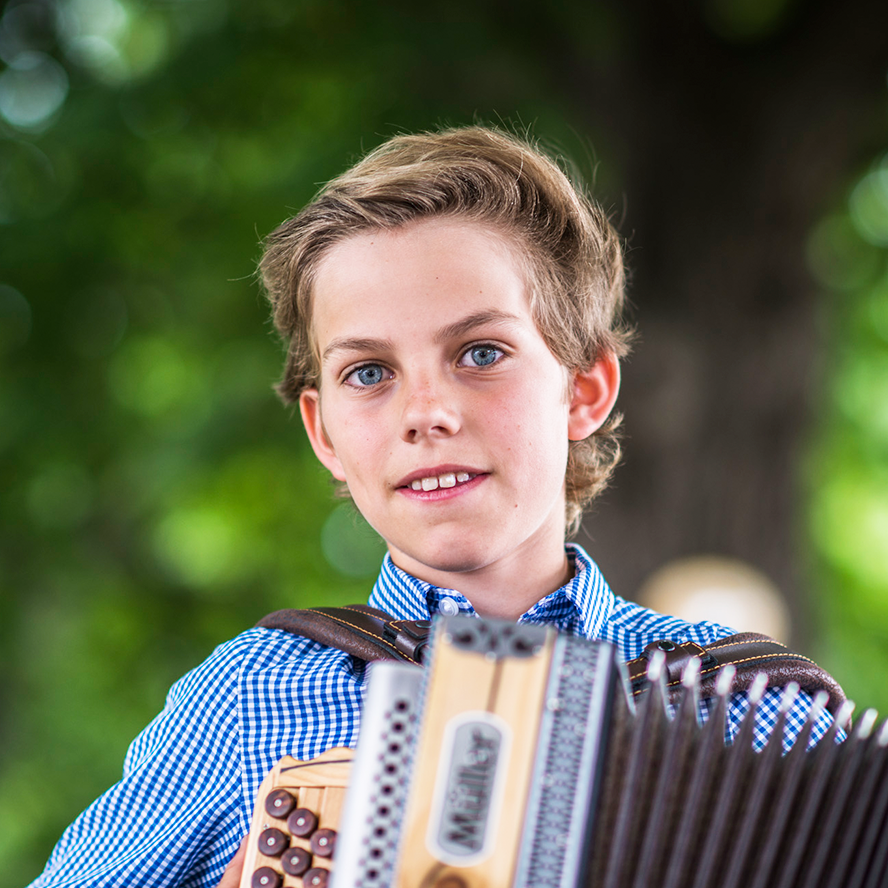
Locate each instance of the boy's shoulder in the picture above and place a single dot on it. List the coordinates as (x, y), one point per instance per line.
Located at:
(632, 627)
(251, 651)
(258, 652)
(257, 669)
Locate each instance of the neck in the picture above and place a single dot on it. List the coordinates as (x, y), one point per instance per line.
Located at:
(505, 589)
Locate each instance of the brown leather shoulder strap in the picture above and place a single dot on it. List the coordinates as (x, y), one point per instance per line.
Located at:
(749, 653)
(371, 634)
(357, 629)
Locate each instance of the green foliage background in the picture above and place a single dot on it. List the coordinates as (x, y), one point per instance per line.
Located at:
(847, 464)
(154, 498)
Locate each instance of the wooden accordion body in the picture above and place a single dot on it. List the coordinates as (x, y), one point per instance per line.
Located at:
(517, 759)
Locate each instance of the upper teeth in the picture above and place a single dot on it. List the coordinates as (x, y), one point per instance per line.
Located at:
(449, 479)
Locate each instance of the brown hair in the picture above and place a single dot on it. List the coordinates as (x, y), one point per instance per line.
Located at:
(483, 175)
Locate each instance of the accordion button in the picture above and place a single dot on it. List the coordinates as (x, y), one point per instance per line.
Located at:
(295, 861)
(279, 803)
(316, 878)
(323, 842)
(266, 877)
(273, 842)
(302, 822)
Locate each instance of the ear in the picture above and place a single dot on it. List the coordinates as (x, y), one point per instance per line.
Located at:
(594, 395)
(310, 408)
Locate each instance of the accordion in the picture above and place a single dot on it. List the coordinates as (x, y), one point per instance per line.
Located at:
(519, 759)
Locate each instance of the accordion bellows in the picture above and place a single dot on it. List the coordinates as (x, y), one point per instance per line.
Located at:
(518, 759)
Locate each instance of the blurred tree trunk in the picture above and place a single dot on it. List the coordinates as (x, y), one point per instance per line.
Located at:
(730, 152)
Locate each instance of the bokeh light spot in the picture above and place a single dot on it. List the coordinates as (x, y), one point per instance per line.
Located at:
(32, 89)
(861, 387)
(152, 376)
(147, 44)
(99, 54)
(850, 523)
(838, 257)
(114, 40)
(349, 544)
(727, 591)
(198, 545)
(869, 207)
(93, 18)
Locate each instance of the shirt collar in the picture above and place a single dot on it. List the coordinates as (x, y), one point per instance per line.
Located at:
(582, 606)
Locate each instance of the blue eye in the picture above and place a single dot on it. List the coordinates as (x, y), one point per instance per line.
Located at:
(482, 355)
(369, 374)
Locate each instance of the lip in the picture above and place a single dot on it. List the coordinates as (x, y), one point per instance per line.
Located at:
(440, 494)
(436, 472)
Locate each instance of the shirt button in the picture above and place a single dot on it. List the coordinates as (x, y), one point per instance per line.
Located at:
(448, 607)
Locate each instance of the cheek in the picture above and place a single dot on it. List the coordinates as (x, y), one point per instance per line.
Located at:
(354, 437)
(533, 430)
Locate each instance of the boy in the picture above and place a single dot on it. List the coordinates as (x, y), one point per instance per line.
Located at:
(451, 307)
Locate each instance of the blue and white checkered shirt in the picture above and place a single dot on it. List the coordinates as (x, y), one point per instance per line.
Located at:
(189, 779)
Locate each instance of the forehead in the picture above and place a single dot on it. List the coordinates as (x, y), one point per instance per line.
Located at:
(433, 269)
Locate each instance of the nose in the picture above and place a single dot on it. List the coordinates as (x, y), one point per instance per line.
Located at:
(429, 410)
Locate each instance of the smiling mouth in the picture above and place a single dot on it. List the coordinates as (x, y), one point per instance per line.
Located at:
(448, 479)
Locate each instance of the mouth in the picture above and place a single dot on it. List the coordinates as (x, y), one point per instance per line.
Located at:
(428, 481)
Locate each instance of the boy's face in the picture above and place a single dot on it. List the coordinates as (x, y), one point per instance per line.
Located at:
(440, 404)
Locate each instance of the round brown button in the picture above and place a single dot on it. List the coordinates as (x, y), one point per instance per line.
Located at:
(266, 877)
(323, 842)
(273, 842)
(279, 803)
(316, 878)
(295, 861)
(302, 822)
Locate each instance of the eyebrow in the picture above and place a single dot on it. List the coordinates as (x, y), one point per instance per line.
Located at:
(356, 344)
(478, 319)
(451, 331)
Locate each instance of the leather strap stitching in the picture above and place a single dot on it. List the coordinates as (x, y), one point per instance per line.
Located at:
(789, 655)
(376, 639)
(726, 642)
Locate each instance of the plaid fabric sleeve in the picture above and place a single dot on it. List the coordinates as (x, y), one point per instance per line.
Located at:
(767, 715)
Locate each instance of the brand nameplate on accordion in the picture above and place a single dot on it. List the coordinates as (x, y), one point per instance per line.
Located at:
(469, 788)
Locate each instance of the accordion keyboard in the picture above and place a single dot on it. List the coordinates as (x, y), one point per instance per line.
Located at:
(295, 822)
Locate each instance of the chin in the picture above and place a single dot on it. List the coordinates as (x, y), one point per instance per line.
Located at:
(457, 564)
(454, 557)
